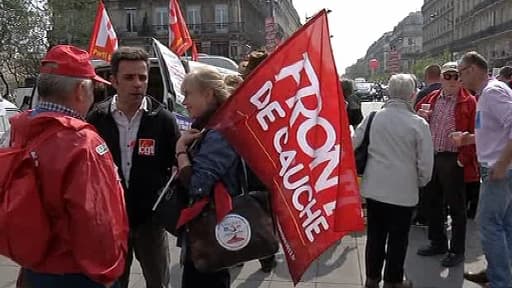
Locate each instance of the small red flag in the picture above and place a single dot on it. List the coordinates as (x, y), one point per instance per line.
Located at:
(103, 39)
(179, 36)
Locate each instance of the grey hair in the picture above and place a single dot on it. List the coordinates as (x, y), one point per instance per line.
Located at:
(402, 86)
(56, 87)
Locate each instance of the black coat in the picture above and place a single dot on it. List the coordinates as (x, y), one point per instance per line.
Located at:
(148, 173)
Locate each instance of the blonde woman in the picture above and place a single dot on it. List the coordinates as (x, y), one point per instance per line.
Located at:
(203, 165)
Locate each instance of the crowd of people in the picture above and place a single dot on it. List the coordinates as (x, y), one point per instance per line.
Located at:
(449, 145)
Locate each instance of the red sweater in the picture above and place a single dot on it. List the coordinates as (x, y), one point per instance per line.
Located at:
(465, 111)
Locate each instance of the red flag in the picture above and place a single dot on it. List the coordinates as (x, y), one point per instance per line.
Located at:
(194, 52)
(289, 122)
(179, 37)
(103, 39)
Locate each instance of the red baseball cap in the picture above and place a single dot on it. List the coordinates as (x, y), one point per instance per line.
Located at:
(67, 60)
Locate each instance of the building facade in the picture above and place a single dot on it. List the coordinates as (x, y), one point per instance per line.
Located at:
(460, 26)
(405, 43)
(229, 28)
(396, 50)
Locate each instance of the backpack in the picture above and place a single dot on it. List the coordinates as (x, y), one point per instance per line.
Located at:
(24, 224)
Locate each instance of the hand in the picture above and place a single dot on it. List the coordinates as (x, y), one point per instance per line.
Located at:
(425, 113)
(110, 284)
(498, 171)
(186, 139)
(459, 138)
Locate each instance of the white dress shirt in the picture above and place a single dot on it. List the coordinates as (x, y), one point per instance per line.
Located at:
(128, 129)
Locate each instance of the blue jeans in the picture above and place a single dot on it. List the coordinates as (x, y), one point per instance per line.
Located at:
(40, 280)
(495, 220)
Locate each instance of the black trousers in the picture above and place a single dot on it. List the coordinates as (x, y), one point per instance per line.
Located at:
(192, 278)
(472, 195)
(389, 223)
(421, 208)
(446, 192)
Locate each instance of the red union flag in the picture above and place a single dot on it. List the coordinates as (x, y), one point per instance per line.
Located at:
(179, 36)
(288, 121)
(103, 40)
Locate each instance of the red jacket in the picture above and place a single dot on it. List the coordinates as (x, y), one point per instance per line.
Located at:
(465, 111)
(84, 199)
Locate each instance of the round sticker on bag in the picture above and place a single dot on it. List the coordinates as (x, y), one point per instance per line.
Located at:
(233, 233)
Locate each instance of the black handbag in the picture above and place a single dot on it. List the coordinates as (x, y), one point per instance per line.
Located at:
(361, 153)
(246, 233)
(171, 200)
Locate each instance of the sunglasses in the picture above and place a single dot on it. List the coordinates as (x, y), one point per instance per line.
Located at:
(448, 76)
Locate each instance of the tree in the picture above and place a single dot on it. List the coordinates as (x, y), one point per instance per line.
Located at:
(420, 65)
(23, 25)
(71, 21)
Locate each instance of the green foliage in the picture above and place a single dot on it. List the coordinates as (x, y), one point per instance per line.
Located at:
(420, 65)
(23, 25)
(72, 21)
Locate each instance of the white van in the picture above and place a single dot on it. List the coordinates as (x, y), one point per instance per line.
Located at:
(7, 109)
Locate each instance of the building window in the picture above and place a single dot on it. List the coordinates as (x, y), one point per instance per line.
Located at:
(221, 17)
(220, 49)
(233, 50)
(161, 19)
(194, 14)
(130, 19)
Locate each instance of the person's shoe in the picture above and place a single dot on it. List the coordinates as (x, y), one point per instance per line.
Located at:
(431, 250)
(268, 264)
(452, 260)
(371, 283)
(403, 284)
(479, 277)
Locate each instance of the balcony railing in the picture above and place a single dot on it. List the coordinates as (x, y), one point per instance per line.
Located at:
(210, 28)
(460, 44)
(163, 30)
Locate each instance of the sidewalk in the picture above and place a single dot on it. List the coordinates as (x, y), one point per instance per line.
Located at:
(340, 267)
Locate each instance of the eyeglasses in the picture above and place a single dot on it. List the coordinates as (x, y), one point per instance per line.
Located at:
(449, 77)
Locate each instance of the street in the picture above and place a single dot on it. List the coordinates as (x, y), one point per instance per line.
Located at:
(342, 266)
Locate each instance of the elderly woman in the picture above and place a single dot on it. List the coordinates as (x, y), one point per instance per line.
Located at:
(203, 165)
(400, 160)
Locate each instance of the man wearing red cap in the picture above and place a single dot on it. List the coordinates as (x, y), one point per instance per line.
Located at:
(78, 182)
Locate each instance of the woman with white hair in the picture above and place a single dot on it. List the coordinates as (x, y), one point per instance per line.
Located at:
(400, 160)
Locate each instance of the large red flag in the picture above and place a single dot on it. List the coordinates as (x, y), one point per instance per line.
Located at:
(179, 36)
(289, 122)
(103, 39)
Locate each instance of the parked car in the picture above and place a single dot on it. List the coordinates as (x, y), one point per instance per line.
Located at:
(217, 61)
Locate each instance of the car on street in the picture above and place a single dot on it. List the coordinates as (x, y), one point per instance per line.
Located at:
(365, 91)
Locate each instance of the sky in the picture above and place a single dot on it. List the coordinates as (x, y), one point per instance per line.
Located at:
(356, 24)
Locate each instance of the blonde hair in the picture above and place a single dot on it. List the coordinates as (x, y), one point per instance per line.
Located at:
(232, 82)
(208, 79)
